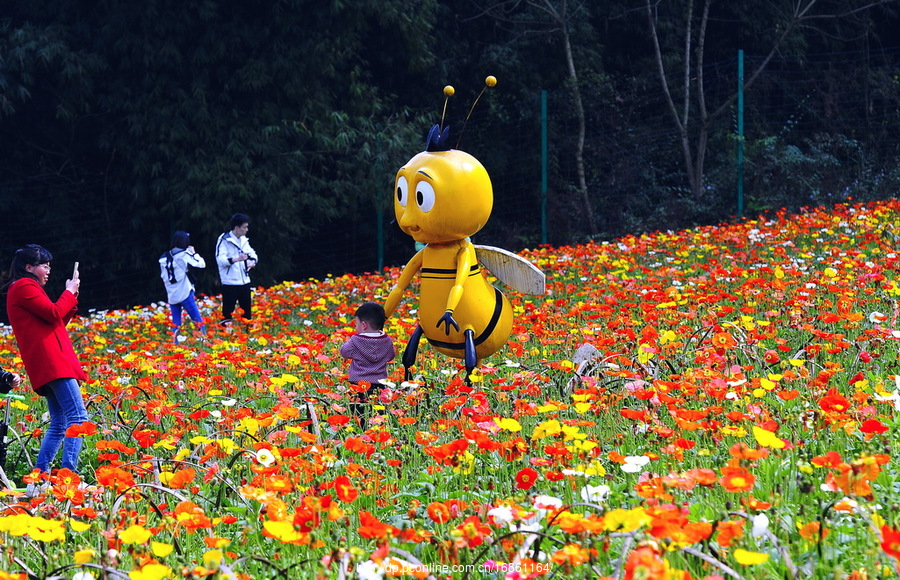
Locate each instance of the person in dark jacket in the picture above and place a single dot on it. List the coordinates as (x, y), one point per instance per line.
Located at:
(39, 325)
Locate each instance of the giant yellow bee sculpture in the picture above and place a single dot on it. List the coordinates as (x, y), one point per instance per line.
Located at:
(442, 197)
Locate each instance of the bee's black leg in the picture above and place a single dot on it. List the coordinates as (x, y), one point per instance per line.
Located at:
(412, 349)
(471, 358)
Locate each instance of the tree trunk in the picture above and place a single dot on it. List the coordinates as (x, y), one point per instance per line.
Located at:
(579, 113)
(681, 121)
(695, 155)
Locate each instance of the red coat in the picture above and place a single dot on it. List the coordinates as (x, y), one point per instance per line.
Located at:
(40, 329)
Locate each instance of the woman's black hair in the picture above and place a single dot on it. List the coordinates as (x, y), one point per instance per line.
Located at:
(181, 239)
(239, 219)
(30, 255)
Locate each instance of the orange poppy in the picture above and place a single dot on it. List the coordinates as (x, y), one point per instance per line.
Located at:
(737, 479)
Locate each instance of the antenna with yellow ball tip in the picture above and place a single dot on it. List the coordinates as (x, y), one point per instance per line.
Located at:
(489, 81)
(448, 92)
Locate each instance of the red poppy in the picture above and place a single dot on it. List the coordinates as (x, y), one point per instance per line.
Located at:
(701, 475)
(338, 420)
(471, 533)
(357, 445)
(344, 489)
(115, 445)
(834, 402)
(526, 478)
(873, 426)
(372, 527)
(830, 459)
(200, 414)
(890, 541)
(82, 429)
(755, 504)
(729, 531)
(554, 475)
(84, 512)
(636, 414)
(146, 437)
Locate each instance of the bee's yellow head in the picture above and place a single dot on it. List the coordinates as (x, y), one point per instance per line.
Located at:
(442, 196)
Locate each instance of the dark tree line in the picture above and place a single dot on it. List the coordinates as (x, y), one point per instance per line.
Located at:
(123, 121)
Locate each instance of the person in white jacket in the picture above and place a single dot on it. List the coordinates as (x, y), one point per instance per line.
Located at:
(174, 268)
(235, 259)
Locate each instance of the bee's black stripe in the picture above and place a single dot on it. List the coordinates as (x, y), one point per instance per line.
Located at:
(444, 276)
(472, 270)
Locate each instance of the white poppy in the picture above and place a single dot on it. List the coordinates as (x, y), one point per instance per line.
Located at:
(893, 398)
(502, 514)
(370, 570)
(547, 502)
(635, 463)
(760, 525)
(876, 317)
(265, 457)
(595, 493)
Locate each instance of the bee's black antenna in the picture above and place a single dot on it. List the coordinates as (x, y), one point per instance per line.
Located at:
(489, 81)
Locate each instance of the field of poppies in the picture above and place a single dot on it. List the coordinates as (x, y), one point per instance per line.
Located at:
(733, 417)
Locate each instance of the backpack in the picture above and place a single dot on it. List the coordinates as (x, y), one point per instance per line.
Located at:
(167, 272)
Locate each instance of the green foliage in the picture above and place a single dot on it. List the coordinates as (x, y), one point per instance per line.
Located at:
(187, 112)
(823, 168)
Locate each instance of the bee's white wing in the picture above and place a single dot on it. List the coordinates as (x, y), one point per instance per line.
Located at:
(513, 270)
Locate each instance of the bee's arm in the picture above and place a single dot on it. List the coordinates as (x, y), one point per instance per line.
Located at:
(464, 261)
(406, 276)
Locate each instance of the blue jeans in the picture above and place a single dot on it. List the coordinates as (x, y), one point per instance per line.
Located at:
(190, 305)
(66, 409)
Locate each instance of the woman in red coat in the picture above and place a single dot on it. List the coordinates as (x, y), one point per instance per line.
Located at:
(50, 362)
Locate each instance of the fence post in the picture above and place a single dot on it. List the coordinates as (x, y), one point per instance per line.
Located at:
(379, 219)
(740, 135)
(543, 167)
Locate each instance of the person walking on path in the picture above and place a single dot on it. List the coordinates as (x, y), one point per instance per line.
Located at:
(235, 258)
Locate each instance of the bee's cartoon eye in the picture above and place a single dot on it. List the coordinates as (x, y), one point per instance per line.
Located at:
(425, 196)
(402, 191)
